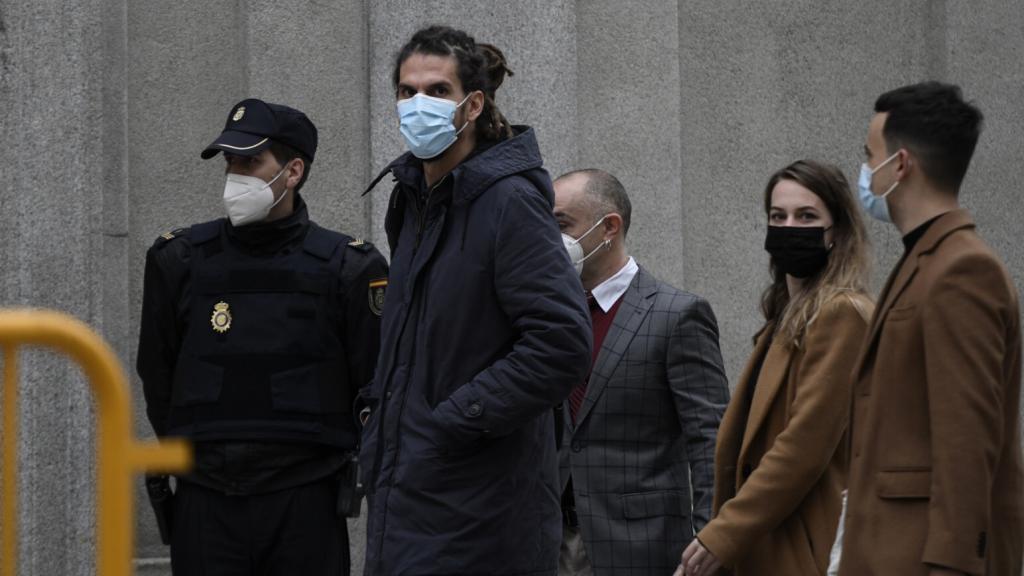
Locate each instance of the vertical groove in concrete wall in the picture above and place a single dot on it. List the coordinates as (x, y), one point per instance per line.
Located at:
(112, 313)
(110, 256)
(935, 32)
(57, 139)
(628, 119)
(985, 52)
(242, 13)
(993, 78)
(367, 127)
(722, 69)
(319, 70)
(10, 262)
(187, 64)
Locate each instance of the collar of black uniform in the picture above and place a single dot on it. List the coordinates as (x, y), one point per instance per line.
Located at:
(270, 236)
(912, 237)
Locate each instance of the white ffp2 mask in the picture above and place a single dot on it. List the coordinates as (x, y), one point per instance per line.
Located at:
(249, 199)
(572, 245)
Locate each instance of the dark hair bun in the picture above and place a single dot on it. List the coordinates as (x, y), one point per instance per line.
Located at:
(497, 66)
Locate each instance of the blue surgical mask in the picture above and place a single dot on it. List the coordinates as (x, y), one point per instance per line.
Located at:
(874, 205)
(426, 124)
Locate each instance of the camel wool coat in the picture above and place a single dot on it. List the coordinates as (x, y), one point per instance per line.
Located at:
(780, 461)
(935, 475)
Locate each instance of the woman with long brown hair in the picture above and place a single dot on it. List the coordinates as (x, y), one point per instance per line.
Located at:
(781, 459)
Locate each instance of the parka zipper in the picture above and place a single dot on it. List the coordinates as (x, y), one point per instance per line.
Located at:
(381, 430)
(421, 218)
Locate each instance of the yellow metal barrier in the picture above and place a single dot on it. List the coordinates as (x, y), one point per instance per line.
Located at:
(119, 456)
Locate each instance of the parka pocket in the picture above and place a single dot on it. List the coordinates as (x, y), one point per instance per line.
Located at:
(904, 483)
(446, 436)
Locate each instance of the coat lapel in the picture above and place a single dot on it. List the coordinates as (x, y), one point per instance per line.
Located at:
(769, 382)
(734, 422)
(897, 282)
(900, 278)
(636, 303)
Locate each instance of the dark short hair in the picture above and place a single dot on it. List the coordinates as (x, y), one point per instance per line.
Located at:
(284, 154)
(607, 192)
(932, 120)
(480, 67)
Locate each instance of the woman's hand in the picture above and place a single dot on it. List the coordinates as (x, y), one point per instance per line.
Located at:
(697, 561)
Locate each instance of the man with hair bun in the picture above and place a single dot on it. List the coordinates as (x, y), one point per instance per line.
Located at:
(485, 329)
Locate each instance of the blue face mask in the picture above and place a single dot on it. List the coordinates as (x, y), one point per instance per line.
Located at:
(426, 124)
(874, 205)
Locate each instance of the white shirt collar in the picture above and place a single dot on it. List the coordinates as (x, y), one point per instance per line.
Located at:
(608, 292)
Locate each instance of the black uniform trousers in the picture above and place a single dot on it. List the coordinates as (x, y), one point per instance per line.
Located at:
(287, 532)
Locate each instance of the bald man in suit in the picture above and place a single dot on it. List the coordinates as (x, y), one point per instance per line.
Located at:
(643, 425)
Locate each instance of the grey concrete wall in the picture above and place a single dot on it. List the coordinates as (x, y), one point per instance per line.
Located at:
(63, 244)
(107, 103)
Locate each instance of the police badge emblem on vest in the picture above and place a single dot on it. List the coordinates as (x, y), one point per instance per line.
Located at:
(221, 319)
(377, 290)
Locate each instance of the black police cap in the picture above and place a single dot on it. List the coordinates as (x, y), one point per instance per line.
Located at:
(252, 124)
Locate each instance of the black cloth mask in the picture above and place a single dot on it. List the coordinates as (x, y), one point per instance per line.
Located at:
(796, 250)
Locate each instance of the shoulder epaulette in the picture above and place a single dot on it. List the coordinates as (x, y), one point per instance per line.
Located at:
(360, 245)
(166, 237)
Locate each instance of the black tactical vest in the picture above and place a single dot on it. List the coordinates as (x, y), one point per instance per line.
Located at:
(262, 356)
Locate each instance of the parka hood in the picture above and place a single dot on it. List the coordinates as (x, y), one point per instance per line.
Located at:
(519, 155)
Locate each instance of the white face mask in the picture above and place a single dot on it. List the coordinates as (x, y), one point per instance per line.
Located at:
(249, 199)
(572, 245)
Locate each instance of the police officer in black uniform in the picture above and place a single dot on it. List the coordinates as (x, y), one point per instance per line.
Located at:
(257, 332)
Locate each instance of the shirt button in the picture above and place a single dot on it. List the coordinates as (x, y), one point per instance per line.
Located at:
(475, 409)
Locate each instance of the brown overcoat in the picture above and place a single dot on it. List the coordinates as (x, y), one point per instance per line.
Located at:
(935, 475)
(780, 461)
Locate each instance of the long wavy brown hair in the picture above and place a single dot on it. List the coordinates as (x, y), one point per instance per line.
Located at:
(848, 265)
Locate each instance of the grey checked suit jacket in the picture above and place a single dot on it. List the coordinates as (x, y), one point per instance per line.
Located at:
(647, 425)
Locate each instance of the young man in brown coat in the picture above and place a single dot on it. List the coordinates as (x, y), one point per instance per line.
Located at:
(935, 483)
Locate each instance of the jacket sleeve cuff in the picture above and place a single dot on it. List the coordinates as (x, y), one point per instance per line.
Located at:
(959, 552)
(718, 544)
(462, 415)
